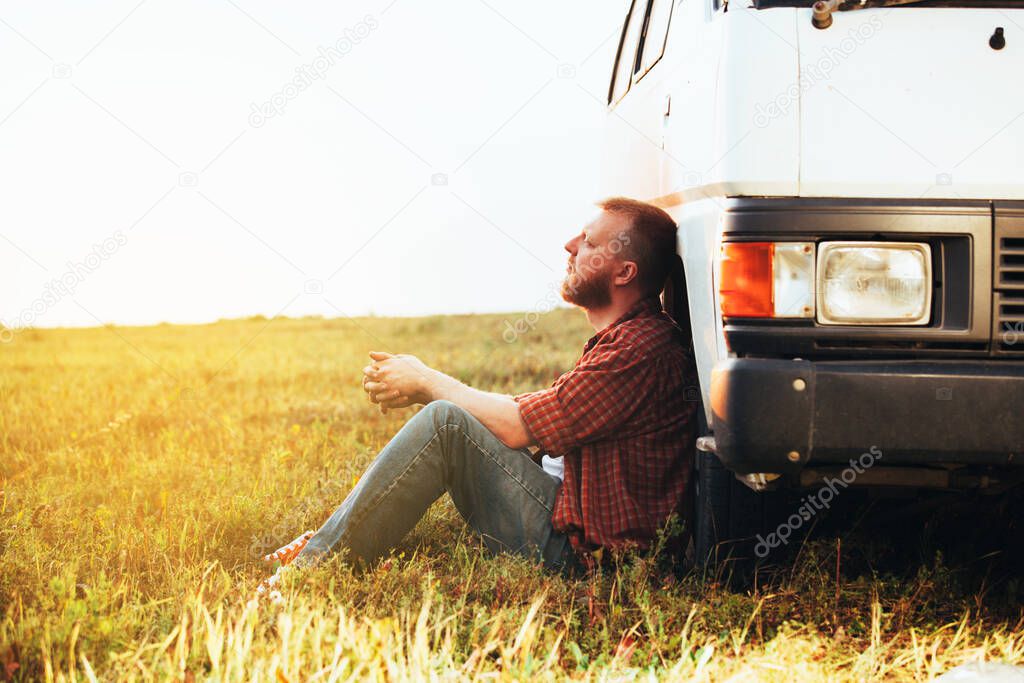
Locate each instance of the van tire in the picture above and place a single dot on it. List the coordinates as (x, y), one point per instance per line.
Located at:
(728, 517)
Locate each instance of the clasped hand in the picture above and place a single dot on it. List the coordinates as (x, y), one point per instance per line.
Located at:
(396, 380)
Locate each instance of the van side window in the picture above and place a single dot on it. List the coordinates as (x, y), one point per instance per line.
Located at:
(656, 34)
(626, 63)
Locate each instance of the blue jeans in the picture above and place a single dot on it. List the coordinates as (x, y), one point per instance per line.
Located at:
(501, 493)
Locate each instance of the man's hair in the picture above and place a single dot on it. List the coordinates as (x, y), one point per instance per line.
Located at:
(652, 240)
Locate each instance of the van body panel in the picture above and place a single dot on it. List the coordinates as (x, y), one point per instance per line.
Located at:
(759, 61)
(698, 243)
(915, 104)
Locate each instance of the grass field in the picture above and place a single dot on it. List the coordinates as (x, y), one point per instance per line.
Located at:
(144, 471)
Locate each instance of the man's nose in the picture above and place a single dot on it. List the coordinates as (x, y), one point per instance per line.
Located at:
(570, 246)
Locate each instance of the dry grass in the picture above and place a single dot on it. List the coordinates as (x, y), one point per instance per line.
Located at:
(145, 470)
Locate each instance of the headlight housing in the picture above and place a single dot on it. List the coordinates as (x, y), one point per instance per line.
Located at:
(874, 283)
(835, 283)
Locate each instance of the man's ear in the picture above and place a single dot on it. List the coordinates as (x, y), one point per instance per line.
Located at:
(625, 272)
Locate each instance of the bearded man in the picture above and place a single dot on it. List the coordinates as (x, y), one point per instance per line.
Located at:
(615, 434)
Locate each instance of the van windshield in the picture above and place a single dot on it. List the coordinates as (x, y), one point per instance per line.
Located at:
(851, 4)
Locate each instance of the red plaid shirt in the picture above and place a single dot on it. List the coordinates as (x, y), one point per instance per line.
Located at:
(623, 422)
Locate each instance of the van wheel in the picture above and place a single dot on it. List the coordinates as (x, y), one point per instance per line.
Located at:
(728, 516)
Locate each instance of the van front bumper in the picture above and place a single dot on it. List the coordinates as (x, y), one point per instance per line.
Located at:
(779, 415)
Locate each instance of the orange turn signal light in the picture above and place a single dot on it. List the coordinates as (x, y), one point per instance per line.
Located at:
(746, 289)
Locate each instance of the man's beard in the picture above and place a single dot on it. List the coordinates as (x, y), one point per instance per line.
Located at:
(587, 292)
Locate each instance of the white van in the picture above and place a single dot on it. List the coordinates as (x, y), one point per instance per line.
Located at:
(848, 179)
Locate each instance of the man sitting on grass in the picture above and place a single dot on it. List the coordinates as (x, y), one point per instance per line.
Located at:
(616, 432)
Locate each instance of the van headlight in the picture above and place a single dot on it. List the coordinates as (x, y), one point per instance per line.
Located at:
(873, 283)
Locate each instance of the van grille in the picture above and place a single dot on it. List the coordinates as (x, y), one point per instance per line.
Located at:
(1008, 300)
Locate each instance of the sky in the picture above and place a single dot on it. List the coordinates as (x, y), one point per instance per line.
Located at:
(188, 161)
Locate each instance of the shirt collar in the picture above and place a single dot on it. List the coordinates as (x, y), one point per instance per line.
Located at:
(649, 305)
